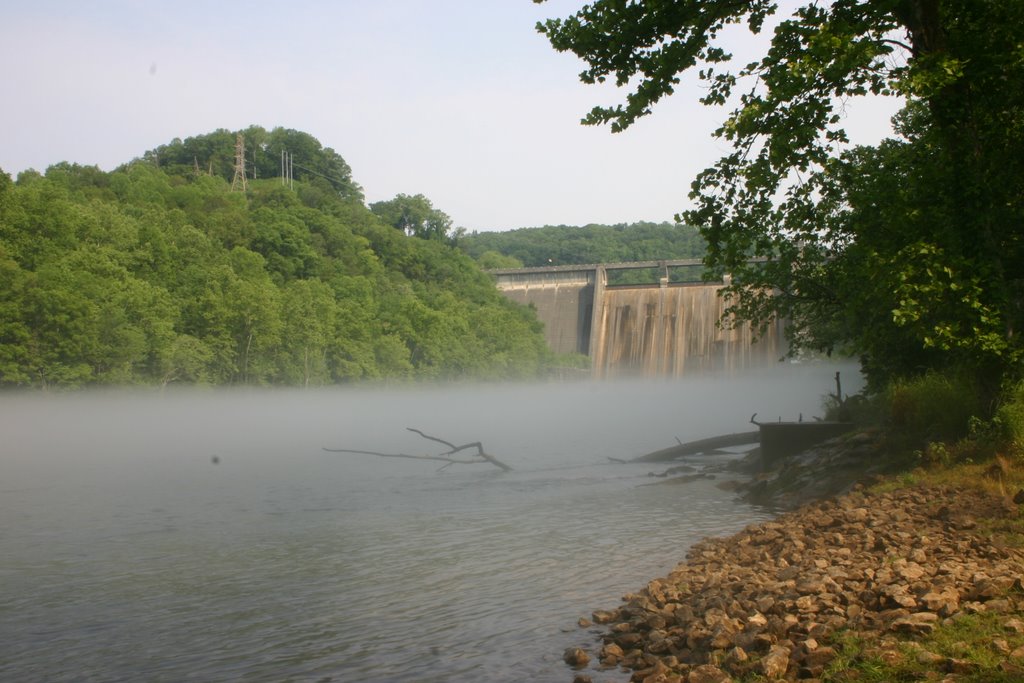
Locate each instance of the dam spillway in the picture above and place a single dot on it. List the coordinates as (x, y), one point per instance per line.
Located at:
(649, 330)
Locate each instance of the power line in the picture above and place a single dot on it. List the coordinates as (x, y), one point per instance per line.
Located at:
(287, 174)
(290, 176)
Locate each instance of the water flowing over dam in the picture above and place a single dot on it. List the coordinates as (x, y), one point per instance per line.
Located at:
(650, 330)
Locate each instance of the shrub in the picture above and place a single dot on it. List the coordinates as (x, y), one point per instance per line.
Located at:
(934, 406)
(1009, 419)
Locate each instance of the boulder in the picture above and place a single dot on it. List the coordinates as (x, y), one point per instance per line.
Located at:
(576, 657)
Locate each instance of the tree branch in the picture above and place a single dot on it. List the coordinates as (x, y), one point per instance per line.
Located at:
(481, 455)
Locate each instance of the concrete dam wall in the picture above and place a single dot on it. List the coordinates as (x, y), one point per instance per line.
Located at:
(666, 329)
(672, 331)
(564, 300)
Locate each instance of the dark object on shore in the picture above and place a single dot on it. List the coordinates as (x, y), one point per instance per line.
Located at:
(480, 456)
(215, 459)
(777, 440)
(782, 439)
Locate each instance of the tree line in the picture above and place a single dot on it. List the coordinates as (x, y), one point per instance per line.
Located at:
(156, 272)
(573, 245)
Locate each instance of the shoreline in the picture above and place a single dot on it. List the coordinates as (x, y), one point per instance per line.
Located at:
(882, 568)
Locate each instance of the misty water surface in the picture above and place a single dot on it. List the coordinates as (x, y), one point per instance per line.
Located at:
(205, 535)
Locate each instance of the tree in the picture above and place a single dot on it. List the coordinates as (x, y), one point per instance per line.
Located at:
(491, 259)
(567, 245)
(415, 216)
(908, 254)
(308, 328)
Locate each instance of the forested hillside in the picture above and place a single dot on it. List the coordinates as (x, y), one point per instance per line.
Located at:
(159, 272)
(567, 245)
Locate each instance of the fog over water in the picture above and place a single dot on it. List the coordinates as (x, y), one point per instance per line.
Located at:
(206, 535)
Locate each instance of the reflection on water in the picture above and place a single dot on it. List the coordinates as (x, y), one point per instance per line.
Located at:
(208, 536)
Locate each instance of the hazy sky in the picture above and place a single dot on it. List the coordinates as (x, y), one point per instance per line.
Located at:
(460, 100)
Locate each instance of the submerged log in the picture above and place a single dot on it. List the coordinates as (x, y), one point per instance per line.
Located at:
(480, 456)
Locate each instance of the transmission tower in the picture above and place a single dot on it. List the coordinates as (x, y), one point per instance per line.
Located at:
(238, 182)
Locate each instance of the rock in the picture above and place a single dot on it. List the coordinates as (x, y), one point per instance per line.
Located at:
(857, 515)
(985, 589)
(706, 673)
(721, 640)
(821, 655)
(628, 640)
(1011, 669)
(944, 603)
(612, 650)
(912, 571)
(656, 622)
(582, 678)
(999, 606)
(576, 657)
(776, 662)
(967, 522)
(960, 666)
(916, 624)
(1015, 625)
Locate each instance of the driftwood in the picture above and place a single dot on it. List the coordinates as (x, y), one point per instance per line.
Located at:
(479, 457)
(706, 446)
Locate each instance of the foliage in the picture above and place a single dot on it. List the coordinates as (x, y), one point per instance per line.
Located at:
(909, 253)
(1009, 419)
(556, 245)
(935, 406)
(160, 273)
(492, 260)
(415, 216)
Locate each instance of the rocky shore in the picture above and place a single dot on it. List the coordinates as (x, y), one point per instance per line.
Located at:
(884, 567)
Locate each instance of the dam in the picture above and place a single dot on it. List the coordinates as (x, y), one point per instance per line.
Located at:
(629, 328)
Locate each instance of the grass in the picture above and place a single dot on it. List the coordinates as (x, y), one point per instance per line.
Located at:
(978, 643)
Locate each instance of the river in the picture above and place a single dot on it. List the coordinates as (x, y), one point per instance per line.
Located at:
(207, 536)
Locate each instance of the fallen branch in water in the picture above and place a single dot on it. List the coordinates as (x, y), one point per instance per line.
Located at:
(479, 457)
(712, 446)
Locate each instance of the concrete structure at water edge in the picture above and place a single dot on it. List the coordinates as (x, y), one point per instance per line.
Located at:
(662, 329)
